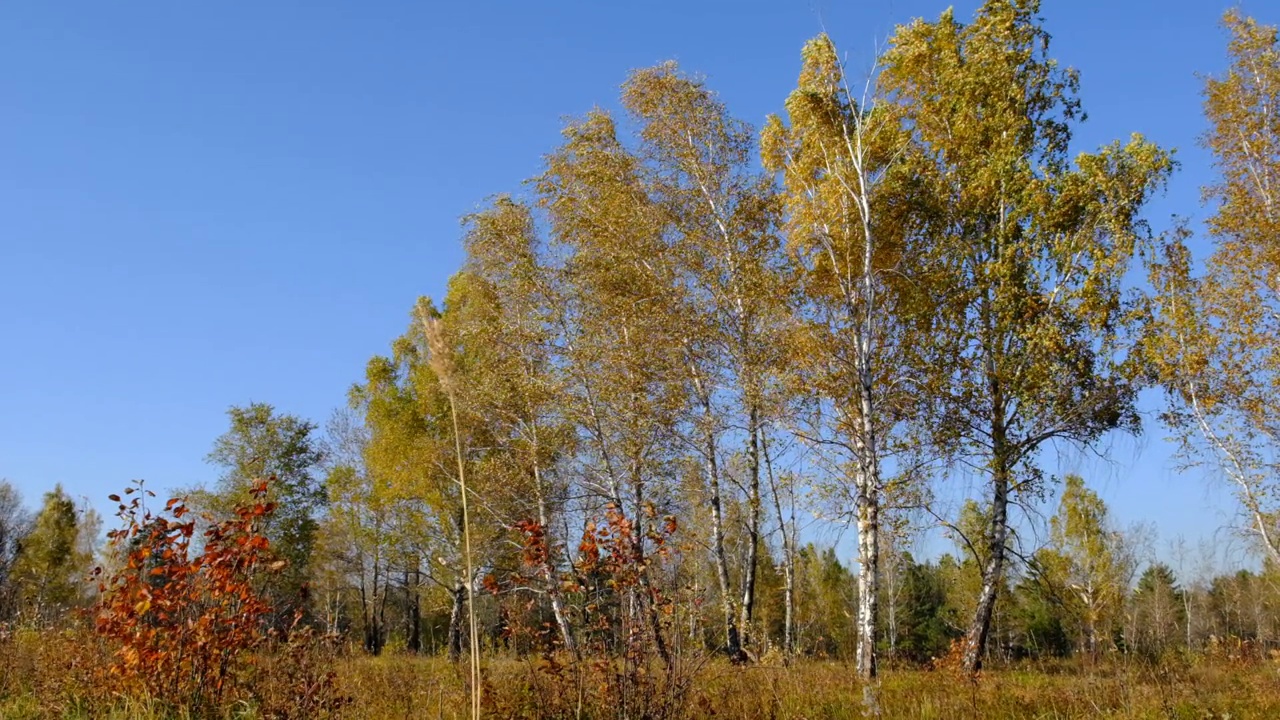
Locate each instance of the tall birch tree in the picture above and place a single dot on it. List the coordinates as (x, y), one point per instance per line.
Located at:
(1214, 341)
(697, 166)
(1035, 316)
(518, 387)
(838, 156)
(621, 351)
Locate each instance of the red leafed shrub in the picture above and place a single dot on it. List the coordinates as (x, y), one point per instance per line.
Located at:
(188, 625)
(625, 664)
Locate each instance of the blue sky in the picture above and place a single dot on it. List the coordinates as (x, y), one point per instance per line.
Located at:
(209, 204)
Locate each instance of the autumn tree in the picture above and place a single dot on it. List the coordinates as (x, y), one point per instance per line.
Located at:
(727, 312)
(357, 533)
(411, 451)
(516, 383)
(783, 490)
(848, 199)
(1213, 344)
(1032, 323)
(623, 356)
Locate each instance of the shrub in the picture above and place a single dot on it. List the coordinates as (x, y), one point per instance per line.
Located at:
(190, 629)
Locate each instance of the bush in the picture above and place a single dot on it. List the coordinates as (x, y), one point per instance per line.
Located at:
(190, 630)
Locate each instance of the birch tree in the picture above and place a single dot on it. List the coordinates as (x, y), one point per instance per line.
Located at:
(517, 386)
(15, 523)
(725, 261)
(1097, 565)
(413, 448)
(1030, 340)
(843, 190)
(1213, 343)
(622, 354)
(358, 525)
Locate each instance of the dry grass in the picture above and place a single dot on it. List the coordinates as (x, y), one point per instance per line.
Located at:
(400, 687)
(52, 675)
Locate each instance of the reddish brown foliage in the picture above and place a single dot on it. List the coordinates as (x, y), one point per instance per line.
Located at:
(622, 667)
(187, 624)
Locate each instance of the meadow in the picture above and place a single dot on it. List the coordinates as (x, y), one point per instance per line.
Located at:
(62, 675)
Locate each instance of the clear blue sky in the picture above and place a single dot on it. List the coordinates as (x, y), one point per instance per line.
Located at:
(205, 204)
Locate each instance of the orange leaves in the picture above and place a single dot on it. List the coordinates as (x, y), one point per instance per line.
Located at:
(185, 622)
(535, 547)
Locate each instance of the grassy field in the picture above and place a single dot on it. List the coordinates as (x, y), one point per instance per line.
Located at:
(399, 687)
(56, 676)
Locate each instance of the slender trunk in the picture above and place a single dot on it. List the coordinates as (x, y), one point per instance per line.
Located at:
(864, 308)
(365, 615)
(868, 585)
(753, 524)
(415, 613)
(868, 498)
(891, 611)
(548, 568)
(408, 602)
(1091, 625)
(789, 604)
(733, 642)
(1186, 611)
(650, 600)
(993, 570)
(372, 617)
(788, 558)
(380, 600)
(458, 593)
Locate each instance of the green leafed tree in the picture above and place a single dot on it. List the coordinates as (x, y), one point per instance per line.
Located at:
(262, 443)
(50, 571)
(1160, 611)
(1096, 564)
(926, 623)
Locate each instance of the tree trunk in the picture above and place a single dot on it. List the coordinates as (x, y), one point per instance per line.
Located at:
(868, 499)
(891, 621)
(993, 571)
(868, 585)
(415, 613)
(455, 621)
(548, 567)
(733, 642)
(753, 526)
(1186, 608)
(369, 614)
(646, 585)
(788, 558)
